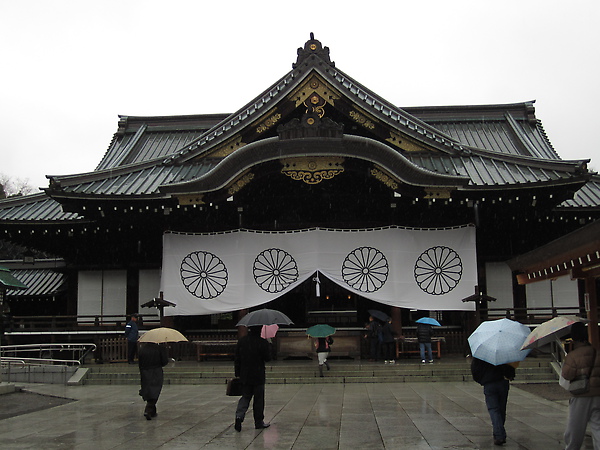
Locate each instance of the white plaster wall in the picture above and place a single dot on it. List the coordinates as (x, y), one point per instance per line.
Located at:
(499, 284)
(149, 288)
(561, 292)
(102, 292)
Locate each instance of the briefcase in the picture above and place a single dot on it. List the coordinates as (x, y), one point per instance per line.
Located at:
(234, 387)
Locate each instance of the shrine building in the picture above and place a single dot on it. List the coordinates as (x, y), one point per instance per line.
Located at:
(318, 198)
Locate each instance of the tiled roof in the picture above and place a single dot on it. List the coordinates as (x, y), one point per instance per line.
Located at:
(135, 180)
(140, 139)
(588, 197)
(493, 145)
(34, 208)
(487, 170)
(39, 282)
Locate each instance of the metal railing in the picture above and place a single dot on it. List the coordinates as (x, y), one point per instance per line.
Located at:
(74, 322)
(46, 363)
(46, 354)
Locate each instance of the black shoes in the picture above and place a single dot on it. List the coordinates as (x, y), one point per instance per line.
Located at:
(258, 426)
(499, 441)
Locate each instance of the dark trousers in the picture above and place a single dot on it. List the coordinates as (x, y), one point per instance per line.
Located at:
(496, 397)
(249, 391)
(131, 350)
(389, 350)
(373, 348)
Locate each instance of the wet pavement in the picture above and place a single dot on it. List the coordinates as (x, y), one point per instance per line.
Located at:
(420, 415)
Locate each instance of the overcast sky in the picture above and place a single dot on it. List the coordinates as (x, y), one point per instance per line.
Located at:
(69, 68)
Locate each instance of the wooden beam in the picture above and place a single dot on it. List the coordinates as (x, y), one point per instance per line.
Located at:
(591, 302)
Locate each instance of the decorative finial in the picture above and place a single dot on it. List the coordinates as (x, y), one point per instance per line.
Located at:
(313, 47)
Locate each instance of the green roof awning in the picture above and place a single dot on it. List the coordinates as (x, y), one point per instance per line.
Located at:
(9, 281)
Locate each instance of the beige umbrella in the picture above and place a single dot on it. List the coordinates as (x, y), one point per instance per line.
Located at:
(161, 335)
(549, 330)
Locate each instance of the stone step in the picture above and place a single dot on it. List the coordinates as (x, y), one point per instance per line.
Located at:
(285, 372)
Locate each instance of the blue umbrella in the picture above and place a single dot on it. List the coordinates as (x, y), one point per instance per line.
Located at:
(429, 321)
(499, 341)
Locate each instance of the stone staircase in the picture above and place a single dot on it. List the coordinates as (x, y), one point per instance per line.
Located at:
(532, 370)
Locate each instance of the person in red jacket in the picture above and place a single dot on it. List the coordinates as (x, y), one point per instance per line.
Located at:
(584, 408)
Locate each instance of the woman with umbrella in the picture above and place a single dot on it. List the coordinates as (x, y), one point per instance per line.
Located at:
(152, 358)
(323, 341)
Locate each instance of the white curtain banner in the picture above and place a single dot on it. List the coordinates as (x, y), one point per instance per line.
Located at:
(410, 268)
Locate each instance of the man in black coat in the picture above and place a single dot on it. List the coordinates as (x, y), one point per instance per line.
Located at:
(152, 358)
(251, 353)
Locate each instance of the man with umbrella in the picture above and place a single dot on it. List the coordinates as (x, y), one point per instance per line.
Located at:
(424, 335)
(496, 349)
(251, 353)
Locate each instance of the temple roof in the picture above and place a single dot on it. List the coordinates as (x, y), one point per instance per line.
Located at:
(472, 148)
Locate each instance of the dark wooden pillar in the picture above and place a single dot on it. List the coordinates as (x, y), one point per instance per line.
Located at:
(591, 301)
(241, 330)
(396, 314)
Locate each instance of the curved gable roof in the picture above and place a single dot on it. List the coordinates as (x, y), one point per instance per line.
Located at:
(489, 146)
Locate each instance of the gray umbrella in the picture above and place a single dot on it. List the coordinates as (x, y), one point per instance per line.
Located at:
(379, 315)
(265, 317)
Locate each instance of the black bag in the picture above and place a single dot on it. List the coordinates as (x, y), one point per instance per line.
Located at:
(234, 387)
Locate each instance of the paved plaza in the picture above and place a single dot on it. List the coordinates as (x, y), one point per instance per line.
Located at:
(420, 415)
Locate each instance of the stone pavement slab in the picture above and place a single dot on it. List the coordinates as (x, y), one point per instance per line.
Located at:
(422, 415)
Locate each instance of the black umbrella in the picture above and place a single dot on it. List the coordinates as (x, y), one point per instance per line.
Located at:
(264, 317)
(379, 315)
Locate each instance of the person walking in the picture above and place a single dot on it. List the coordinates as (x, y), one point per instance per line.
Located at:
(251, 353)
(152, 358)
(132, 334)
(323, 347)
(584, 408)
(388, 342)
(424, 333)
(373, 337)
(496, 383)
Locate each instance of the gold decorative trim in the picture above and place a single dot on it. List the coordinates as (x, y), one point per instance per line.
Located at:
(437, 193)
(361, 119)
(228, 147)
(238, 184)
(312, 170)
(264, 126)
(191, 199)
(388, 180)
(403, 143)
(314, 85)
